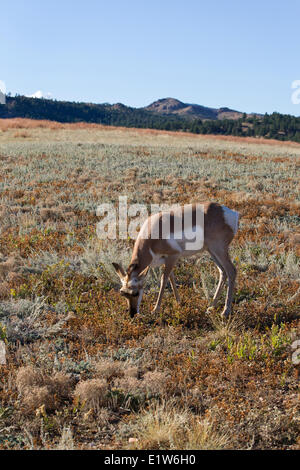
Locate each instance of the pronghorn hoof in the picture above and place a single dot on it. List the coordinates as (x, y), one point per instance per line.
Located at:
(209, 309)
(225, 313)
(154, 311)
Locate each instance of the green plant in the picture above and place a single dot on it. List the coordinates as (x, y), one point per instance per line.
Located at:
(3, 334)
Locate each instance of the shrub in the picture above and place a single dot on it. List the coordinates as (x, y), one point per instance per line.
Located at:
(28, 377)
(36, 397)
(155, 383)
(108, 369)
(38, 389)
(92, 393)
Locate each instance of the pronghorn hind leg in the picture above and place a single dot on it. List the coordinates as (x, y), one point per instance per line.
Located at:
(222, 279)
(223, 258)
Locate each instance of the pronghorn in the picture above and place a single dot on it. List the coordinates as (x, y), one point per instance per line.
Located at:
(220, 226)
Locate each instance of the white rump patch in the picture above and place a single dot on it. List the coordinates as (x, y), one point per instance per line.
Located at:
(231, 218)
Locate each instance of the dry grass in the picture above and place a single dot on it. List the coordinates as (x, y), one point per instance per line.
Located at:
(28, 377)
(109, 369)
(156, 382)
(66, 441)
(92, 393)
(23, 123)
(166, 426)
(40, 390)
(80, 372)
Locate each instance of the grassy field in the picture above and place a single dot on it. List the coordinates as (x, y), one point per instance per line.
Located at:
(80, 373)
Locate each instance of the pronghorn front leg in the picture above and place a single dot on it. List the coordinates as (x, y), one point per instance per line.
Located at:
(174, 287)
(169, 265)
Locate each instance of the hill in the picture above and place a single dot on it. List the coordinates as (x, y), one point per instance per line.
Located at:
(172, 106)
(165, 114)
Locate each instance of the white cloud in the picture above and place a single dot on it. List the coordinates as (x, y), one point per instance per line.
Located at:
(40, 94)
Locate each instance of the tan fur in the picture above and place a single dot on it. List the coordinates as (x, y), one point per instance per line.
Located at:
(217, 238)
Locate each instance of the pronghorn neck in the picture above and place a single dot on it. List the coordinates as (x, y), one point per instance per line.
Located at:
(141, 257)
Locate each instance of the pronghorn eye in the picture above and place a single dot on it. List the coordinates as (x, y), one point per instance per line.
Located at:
(135, 294)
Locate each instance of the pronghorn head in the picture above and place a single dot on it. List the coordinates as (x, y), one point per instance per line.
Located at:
(132, 285)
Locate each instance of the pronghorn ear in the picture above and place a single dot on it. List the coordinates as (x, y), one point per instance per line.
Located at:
(120, 271)
(144, 273)
(131, 268)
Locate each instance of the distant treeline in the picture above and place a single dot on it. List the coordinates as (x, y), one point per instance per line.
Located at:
(274, 126)
(271, 126)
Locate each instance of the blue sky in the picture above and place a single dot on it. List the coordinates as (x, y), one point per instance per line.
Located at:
(244, 55)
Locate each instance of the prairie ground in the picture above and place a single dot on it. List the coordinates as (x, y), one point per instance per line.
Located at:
(80, 373)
